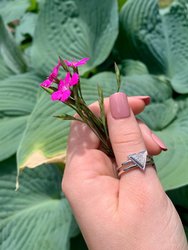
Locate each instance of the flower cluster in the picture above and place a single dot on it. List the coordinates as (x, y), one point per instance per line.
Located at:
(68, 91)
(63, 91)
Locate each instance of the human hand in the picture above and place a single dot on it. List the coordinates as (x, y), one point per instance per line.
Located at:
(132, 212)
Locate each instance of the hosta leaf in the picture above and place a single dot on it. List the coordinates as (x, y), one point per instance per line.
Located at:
(173, 163)
(11, 130)
(159, 115)
(4, 70)
(45, 135)
(10, 52)
(37, 216)
(159, 39)
(19, 93)
(17, 98)
(131, 68)
(74, 29)
(12, 10)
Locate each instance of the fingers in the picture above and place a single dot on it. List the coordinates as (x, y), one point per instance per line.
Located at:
(81, 137)
(126, 138)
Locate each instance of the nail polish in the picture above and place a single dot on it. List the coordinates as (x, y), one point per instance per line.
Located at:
(119, 106)
(145, 99)
(159, 142)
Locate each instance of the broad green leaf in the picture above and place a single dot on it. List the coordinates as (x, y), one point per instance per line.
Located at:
(159, 115)
(158, 39)
(4, 70)
(18, 93)
(74, 29)
(37, 216)
(172, 165)
(131, 68)
(11, 130)
(45, 136)
(12, 10)
(10, 51)
(18, 96)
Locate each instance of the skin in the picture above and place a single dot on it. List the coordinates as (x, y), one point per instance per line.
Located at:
(132, 212)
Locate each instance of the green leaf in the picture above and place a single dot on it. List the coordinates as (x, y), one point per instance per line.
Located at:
(74, 29)
(45, 135)
(37, 216)
(172, 164)
(18, 94)
(158, 39)
(17, 98)
(159, 115)
(11, 130)
(131, 68)
(12, 10)
(10, 52)
(4, 70)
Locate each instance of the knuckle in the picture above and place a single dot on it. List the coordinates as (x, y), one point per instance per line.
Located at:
(129, 137)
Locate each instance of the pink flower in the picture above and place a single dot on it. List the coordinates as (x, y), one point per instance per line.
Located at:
(48, 82)
(64, 92)
(76, 63)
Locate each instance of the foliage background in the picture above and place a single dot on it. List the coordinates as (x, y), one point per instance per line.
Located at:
(147, 38)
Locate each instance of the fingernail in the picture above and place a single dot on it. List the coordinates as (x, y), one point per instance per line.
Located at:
(119, 106)
(159, 142)
(146, 99)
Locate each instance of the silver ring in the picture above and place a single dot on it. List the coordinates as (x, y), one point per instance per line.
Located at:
(137, 160)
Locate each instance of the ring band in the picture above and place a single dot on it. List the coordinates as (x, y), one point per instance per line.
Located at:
(137, 160)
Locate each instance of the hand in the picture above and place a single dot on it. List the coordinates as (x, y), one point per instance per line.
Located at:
(132, 212)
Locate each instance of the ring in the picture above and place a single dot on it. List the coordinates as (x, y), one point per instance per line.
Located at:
(137, 160)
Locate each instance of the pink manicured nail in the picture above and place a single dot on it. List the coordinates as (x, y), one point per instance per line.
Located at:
(119, 105)
(146, 99)
(159, 142)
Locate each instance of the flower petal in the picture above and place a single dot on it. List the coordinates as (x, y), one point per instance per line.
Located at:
(82, 61)
(75, 79)
(56, 95)
(68, 63)
(46, 83)
(54, 72)
(65, 95)
(61, 84)
(67, 79)
(76, 63)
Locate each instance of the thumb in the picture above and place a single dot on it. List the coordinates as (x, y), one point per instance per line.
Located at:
(126, 138)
